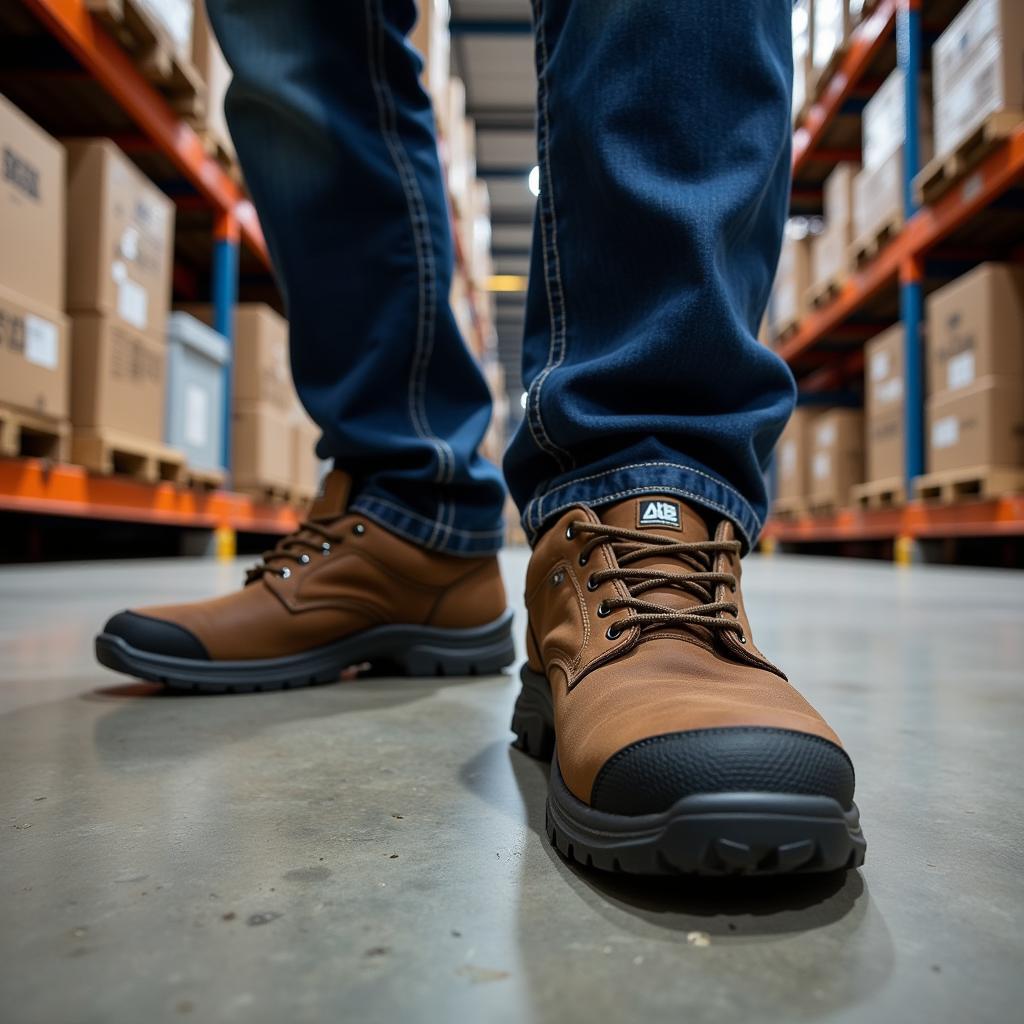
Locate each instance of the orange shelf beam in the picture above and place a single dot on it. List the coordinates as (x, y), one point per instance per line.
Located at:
(994, 517)
(32, 485)
(867, 39)
(72, 24)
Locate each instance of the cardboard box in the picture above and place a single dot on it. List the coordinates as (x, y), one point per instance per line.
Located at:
(261, 372)
(792, 480)
(118, 377)
(883, 371)
(34, 356)
(475, 233)
(792, 279)
(830, 250)
(978, 66)
(837, 455)
(172, 20)
(884, 125)
(261, 447)
(32, 210)
(431, 38)
(211, 65)
(802, 70)
(832, 25)
(976, 327)
(878, 197)
(306, 467)
(885, 456)
(979, 425)
(120, 239)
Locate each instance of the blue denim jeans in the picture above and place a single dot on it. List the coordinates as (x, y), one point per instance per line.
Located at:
(664, 149)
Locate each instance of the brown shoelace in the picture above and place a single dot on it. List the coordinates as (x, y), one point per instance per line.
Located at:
(632, 546)
(309, 538)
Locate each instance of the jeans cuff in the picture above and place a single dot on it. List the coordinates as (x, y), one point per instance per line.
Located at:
(689, 481)
(437, 534)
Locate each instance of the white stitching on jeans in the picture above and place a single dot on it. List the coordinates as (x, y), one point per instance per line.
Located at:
(426, 269)
(549, 247)
(423, 519)
(541, 498)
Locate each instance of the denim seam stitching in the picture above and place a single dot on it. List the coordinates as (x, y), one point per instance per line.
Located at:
(423, 519)
(544, 495)
(554, 285)
(655, 489)
(426, 270)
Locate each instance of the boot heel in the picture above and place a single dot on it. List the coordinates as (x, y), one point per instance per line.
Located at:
(533, 717)
(480, 651)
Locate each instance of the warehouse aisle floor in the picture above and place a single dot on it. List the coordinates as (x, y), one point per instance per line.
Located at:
(373, 850)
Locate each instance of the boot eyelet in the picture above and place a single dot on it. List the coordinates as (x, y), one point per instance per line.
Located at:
(284, 573)
(613, 632)
(304, 559)
(325, 548)
(359, 529)
(570, 533)
(603, 610)
(583, 559)
(743, 638)
(591, 585)
(557, 578)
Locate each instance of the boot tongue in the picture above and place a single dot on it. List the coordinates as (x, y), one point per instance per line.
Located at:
(665, 516)
(331, 500)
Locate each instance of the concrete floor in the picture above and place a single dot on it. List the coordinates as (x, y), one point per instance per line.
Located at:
(373, 850)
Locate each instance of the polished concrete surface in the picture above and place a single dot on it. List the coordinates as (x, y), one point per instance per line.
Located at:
(374, 850)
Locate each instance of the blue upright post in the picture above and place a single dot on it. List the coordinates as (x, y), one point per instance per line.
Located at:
(908, 49)
(225, 296)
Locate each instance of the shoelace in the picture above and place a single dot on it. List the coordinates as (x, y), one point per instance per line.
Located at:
(632, 546)
(296, 547)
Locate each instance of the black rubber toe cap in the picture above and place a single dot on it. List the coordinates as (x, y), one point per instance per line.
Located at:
(651, 775)
(157, 636)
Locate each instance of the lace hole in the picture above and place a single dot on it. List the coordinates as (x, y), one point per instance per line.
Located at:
(284, 573)
(613, 632)
(591, 585)
(557, 578)
(583, 559)
(743, 639)
(603, 610)
(359, 529)
(304, 559)
(570, 533)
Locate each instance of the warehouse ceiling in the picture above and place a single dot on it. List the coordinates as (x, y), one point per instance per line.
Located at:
(492, 51)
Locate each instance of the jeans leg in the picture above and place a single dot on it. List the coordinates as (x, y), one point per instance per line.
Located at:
(336, 138)
(664, 148)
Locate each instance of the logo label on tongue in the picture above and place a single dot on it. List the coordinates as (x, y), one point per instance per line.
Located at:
(658, 513)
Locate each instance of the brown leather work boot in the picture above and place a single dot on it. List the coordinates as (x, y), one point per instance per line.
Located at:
(678, 747)
(337, 592)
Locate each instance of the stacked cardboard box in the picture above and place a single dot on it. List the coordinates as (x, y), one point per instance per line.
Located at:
(306, 467)
(878, 205)
(832, 22)
(837, 457)
(475, 233)
(493, 446)
(213, 68)
(802, 22)
(461, 147)
(884, 417)
(978, 64)
(830, 250)
(172, 21)
(430, 37)
(263, 401)
(792, 461)
(792, 279)
(975, 372)
(34, 351)
(119, 254)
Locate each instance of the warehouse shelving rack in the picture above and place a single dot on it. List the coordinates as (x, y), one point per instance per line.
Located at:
(827, 349)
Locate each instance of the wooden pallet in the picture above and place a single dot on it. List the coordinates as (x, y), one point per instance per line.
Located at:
(822, 506)
(826, 73)
(888, 493)
(204, 479)
(865, 248)
(112, 452)
(154, 53)
(784, 330)
(29, 434)
(789, 509)
(270, 493)
(970, 483)
(214, 147)
(821, 293)
(943, 172)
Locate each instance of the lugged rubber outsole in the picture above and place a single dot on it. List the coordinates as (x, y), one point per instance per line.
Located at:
(702, 834)
(407, 650)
